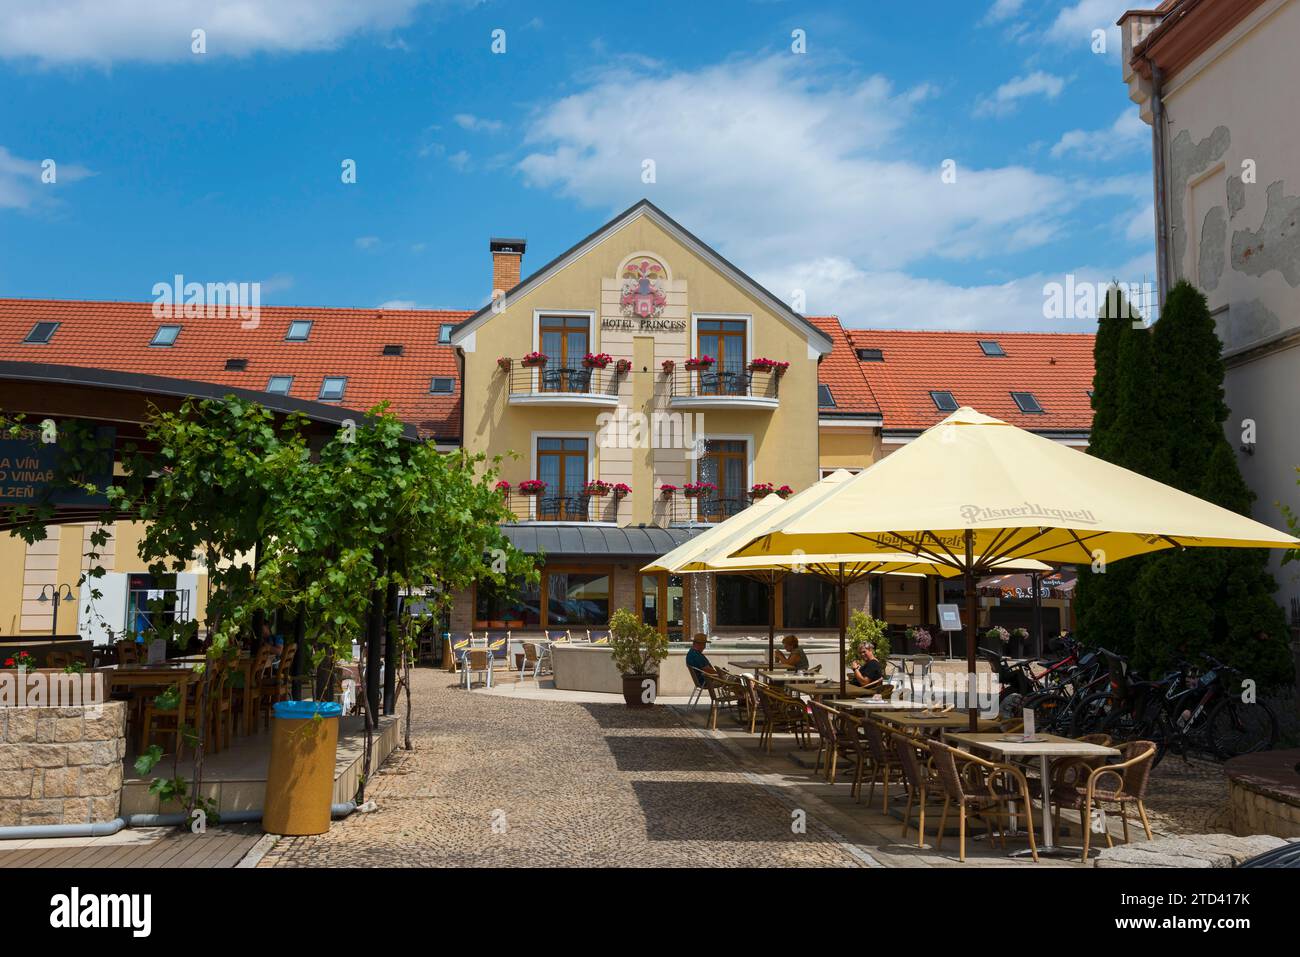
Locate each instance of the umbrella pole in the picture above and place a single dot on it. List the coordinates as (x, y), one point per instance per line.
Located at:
(972, 609)
(844, 622)
(771, 622)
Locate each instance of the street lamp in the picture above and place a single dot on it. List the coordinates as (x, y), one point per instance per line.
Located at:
(58, 594)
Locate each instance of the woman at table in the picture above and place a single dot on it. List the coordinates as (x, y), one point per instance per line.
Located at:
(793, 657)
(868, 671)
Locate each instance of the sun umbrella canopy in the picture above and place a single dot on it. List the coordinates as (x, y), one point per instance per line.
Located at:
(1018, 494)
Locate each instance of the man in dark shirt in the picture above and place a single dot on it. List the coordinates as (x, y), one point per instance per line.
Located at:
(868, 671)
(696, 660)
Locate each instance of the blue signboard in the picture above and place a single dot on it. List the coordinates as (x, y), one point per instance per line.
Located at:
(30, 472)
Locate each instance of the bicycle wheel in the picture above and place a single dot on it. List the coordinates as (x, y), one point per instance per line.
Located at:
(1046, 705)
(1235, 727)
(1121, 725)
(1089, 715)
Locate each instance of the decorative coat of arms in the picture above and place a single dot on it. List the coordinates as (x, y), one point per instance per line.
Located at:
(643, 289)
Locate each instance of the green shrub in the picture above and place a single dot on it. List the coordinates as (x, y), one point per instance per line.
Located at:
(862, 629)
(638, 648)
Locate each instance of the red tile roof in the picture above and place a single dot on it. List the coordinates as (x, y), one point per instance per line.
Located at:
(1055, 367)
(842, 373)
(343, 342)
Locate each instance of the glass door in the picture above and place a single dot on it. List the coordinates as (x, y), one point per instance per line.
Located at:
(662, 604)
(565, 342)
(724, 340)
(723, 465)
(562, 465)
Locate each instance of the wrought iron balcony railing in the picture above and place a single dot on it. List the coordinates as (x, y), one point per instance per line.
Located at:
(678, 509)
(724, 382)
(563, 379)
(562, 507)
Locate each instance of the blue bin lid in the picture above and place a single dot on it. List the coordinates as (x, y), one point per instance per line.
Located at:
(299, 710)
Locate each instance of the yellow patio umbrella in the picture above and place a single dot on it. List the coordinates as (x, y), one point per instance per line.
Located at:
(710, 552)
(735, 529)
(974, 491)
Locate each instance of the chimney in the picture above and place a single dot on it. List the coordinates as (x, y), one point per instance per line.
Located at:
(507, 259)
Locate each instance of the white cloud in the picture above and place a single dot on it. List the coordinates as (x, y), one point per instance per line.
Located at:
(896, 300)
(366, 242)
(1074, 25)
(754, 144)
(1003, 10)
(21, 185)
(1006, 97)
(105, 31)
(476, 124)
(1124, 136)
(459, 160)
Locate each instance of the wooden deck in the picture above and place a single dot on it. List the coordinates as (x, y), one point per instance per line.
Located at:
(139, 847)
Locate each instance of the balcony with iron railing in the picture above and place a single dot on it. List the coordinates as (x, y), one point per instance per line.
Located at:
(724, 386)
(555, 506)
(707, 508)
(556, 383)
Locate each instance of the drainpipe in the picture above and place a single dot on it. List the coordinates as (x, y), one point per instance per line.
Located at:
(1158, 155)
(28, 832)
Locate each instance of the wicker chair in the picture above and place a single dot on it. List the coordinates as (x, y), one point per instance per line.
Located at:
(851, 747)
(1121, 784)
(983, 788)
(882, 760)
(823, 722)
(724, 692)
(749, 695)
(128, 652)
(917, 773)
(781, 713)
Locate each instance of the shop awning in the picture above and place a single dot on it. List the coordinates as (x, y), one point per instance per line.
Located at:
(639, 542)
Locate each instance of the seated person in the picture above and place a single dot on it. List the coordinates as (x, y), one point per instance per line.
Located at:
(793, 657)
(868, 671)
(696, 660)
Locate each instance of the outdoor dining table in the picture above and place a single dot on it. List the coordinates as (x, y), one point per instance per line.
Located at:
(867, 704)
(941, 721)
(753, 664)
(830, 689)
(1045, 747)
(138, 678)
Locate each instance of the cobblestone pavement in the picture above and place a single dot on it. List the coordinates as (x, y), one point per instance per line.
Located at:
(499, 782)
(1188, 797)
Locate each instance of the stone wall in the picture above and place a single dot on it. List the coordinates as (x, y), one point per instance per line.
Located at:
(61, 765)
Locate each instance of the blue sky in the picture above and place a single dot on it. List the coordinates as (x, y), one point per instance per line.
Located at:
(818, 171)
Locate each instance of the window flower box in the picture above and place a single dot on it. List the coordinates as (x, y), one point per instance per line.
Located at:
(761, 490)
(621, 489)
(699, 362)
(697, 489)
(532, 487)
(667, 491)
(534, 360)
(668, 365)
(785, 491)
(596, 488)
(597, 360)
(764, 364)
(503, 487)
(503, 363)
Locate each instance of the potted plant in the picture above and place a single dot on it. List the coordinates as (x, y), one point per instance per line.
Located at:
(503, 487)
(667, 491)
(533, 360)
(621, 489)
(761, 490)
(668, 365)
(23, 661)
(697, 489)
(1020, 637)
(699, 362)
(919, 639)
(999, 634)
(596, 487)
(862, 629)
(503, 363)
(597, 360)
(637, 651)
(532, 487)
(785, 491)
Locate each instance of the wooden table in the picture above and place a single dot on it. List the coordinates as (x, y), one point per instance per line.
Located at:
(1050, 746)
(945, 721)
(867, 704)
(753, 664)
(829, 689)
(138, 678)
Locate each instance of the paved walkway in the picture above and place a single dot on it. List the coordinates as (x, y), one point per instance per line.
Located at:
(503, 781)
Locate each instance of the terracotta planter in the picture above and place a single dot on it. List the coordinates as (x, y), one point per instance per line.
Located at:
(634, 690)
(533, 364)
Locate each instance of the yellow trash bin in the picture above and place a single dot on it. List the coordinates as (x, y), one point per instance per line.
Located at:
(300, 779)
